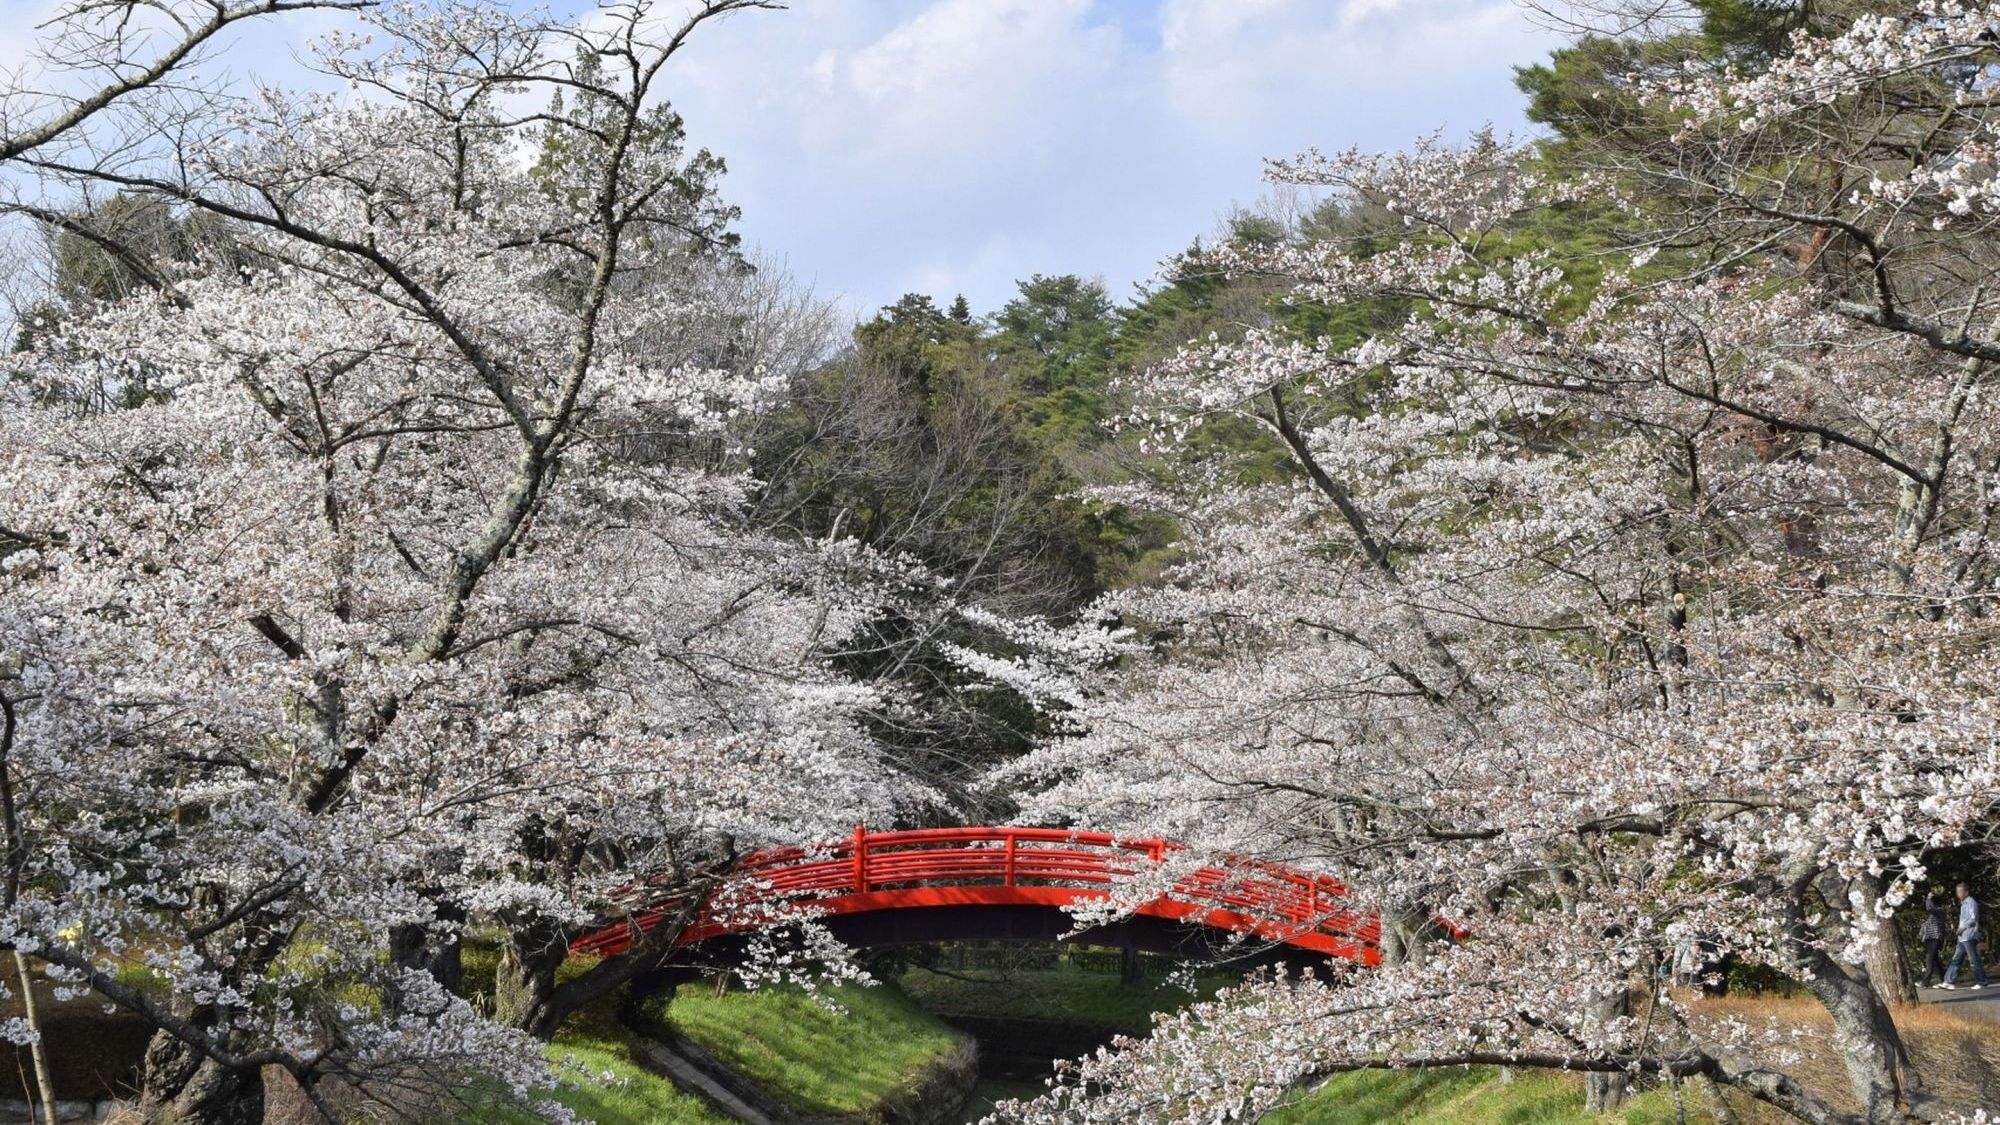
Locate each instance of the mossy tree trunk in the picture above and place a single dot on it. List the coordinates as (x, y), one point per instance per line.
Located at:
(183, 1085)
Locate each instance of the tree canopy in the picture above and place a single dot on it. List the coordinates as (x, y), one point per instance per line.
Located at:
(420, 518)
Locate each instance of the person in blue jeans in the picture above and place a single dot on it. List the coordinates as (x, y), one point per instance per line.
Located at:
(1968, 941)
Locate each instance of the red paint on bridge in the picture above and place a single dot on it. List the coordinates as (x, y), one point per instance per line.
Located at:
(1049, 867)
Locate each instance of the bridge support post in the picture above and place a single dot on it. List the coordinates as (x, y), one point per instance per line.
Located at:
(861, 859)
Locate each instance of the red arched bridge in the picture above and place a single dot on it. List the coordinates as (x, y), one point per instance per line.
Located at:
(885, 888)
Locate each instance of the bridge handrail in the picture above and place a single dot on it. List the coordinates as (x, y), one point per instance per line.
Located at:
(1278, 902)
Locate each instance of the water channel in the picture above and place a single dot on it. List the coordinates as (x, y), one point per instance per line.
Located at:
(1017, 1056)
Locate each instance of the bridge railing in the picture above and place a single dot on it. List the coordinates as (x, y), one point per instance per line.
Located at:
(881, 870)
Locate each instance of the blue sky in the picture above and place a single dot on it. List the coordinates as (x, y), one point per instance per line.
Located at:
(879, 147)
(945, 146)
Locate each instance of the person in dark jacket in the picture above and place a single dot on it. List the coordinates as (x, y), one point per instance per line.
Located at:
(1931, 933)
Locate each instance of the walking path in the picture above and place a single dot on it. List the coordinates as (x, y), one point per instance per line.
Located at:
(1979, 1003)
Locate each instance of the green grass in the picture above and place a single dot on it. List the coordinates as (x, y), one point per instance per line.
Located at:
(479, 965)
(1470, 1097)
(1067, 995)
(815, 1060)
(632, 1095)
(595, 1044)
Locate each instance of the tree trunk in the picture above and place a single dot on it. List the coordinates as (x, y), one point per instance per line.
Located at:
(181, 1085)
(1718, 1106)
(415, 947)
(524, 985)
(526, 995)
(1402, 939)
(1870, 1047)
(38, 1050)
(1130, 972)
(1603, 1091)
(1888, 968)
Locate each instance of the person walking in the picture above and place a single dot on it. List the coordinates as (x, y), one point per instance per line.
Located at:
(1968, 941)
(1687, 965)
(1931, 933)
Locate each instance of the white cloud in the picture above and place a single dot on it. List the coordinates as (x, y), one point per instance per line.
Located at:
(824, 68)
(1188, 25)
(941, 92)
(963, 144)
(994, 46)
(880, 145)
(1228, 63)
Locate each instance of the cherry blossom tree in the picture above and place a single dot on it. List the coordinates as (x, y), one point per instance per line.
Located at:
(96, 56)
(421, 585)
(1615, 601)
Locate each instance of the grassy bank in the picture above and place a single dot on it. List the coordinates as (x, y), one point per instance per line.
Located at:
(614, 1087)
(1469, 1097)
(814, 1060)
(609, 1081)
(875, 1048)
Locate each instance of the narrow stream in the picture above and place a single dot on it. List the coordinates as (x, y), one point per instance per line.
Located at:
(1016, 1056)
(994, 1090)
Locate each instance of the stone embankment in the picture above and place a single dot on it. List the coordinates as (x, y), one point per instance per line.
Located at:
(14, 1111)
